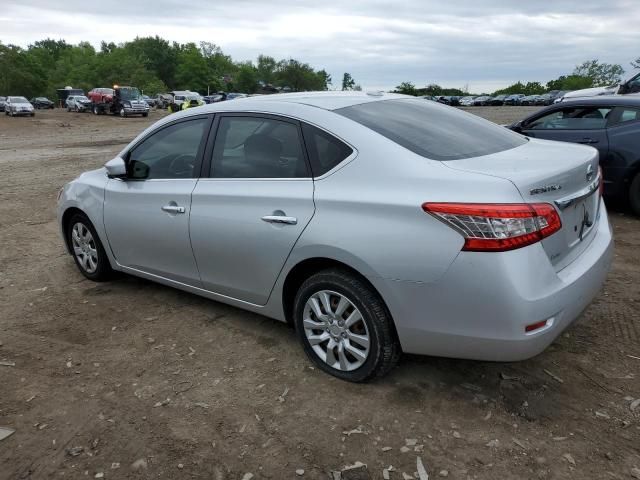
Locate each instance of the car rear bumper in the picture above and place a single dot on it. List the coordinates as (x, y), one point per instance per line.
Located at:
(479, 309)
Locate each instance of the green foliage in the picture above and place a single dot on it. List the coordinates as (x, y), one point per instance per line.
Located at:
(150, 63)
(570, 82)
(348, 83)
(601, 74)
(529, 88)
(406, 88)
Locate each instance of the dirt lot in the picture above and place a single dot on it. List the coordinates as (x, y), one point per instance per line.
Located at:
(192, 389)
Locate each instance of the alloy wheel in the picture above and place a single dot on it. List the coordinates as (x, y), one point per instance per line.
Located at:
(336, 330)
(84, 247)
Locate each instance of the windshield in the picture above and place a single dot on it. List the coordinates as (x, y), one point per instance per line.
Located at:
(432, 130)
(179, 97)
(130, 93)
(18, 100)
(81, 97)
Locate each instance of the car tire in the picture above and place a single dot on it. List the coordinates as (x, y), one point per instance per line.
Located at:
(357, 352)
(634, 194)
(95, 110)
(68, 109)
(145, 114)
(123, 114)
(91, 259)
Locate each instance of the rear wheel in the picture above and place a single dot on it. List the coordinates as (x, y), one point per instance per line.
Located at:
(634, 194)
(344, 326)
(87, 249)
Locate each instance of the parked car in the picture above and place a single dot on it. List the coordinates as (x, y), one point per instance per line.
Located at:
(629, 86)
(233, 96)
(42, 102)
(163, 100)
(530, 100)
(454, 100)
(466, 101)
(189, 100)
(213, 98)
(611, 124)
(3, 101)
(78, 103)
(15, 106)
(150, 101)
(481, 100)
(545, 99)
(498, 100)
(462, 200)
(514, 99)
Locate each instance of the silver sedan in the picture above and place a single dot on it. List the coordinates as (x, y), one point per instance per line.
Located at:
(374, 223)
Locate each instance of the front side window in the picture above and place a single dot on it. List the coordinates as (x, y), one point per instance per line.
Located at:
(433, 130)
(257, 147)
(171, 152)
(325, 151)
(572, 118)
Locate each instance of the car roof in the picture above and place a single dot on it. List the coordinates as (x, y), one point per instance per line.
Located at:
(622, 100)
(325, 100)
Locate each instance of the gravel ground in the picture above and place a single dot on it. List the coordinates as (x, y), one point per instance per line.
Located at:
(130, 379)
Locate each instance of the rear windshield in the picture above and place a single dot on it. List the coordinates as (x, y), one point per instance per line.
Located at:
(432, 130)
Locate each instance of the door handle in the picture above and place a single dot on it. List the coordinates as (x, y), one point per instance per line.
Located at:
(280, 219)
(173, 209)
(588, 140)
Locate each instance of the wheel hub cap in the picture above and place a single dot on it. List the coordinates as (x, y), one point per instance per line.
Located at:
(335, 330)
(84, 247)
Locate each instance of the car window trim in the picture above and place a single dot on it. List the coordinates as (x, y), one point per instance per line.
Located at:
(199, 154)
(339, 165)
(205, 171)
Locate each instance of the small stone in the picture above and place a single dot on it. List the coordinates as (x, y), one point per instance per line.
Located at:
(180, 466)
(386, 449)
(140, 464)
(385, 474)
(635, 404)
(635, 472)
(75, 451)
(608, 456)
(247, 476)
(569, 458)
(405, 449)
(115, 465)
(99, 475)
(456, 434)
(492, 443)
(6, 432)
(300, 472)
(410, 442)
(444, 473)
(406, 476)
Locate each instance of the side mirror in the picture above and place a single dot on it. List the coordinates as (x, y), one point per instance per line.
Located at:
(116, 168)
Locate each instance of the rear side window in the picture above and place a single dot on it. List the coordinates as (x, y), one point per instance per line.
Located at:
(624, 115)
(432, 130)
(325, 151)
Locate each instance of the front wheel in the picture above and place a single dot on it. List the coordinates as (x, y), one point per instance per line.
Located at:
(87, 249)
(634, 194)
(123, 113)
(344, 326)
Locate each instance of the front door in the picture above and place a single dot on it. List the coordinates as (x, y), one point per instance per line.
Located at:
(575, 124)
(146, 215)
(247, 216)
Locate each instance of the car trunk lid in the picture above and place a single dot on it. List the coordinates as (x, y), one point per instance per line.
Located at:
(564, 175)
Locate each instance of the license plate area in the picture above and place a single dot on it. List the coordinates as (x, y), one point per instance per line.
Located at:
(580, 218)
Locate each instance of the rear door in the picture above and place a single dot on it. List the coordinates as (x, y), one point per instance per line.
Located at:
(252, 204)
(575, 124)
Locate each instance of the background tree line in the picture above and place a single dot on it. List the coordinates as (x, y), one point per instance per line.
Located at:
(151, 63)
(591, 73)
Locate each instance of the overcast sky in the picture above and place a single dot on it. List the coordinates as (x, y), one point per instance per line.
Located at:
(484, 44)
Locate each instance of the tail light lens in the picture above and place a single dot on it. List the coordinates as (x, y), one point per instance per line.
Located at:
(601, 180)
(497, 227)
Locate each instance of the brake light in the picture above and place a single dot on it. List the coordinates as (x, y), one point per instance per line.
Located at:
(601, 180)
(497, 227)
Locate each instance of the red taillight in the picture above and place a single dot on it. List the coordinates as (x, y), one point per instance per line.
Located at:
(498, 227)
(601, 180)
